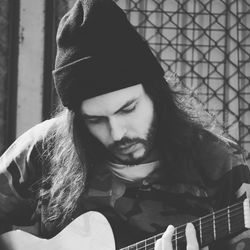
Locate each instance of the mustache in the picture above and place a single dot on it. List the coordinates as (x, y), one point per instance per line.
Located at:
(126, 141)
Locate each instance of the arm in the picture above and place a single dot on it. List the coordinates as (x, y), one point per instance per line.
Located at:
(242, 241)
(240, 180)
(229, 173)
(16, 176)
(20, 168)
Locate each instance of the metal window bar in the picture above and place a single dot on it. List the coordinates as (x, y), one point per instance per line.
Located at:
(207, 42)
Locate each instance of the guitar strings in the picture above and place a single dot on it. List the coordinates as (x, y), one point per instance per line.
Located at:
(207, 225)
(219, 218)
(209, 219)
(148, 246)
(181, 233)
(153, 243)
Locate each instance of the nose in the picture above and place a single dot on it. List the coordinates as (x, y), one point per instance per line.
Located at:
(117, 130)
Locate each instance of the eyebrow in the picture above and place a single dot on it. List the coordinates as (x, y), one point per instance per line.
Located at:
(129, 102)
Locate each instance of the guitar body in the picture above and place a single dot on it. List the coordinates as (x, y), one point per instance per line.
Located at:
(90, 231)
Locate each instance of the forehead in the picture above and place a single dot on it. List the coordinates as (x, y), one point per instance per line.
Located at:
(108, 103)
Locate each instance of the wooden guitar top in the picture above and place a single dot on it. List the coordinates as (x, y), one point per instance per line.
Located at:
(90, 231)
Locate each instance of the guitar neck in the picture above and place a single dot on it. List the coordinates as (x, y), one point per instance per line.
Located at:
(212, 227)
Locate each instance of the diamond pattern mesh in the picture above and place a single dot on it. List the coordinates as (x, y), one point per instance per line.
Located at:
(207, 42)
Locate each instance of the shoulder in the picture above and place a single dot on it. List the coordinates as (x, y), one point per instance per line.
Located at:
(39, 131)
(22, 147)
(219, 155)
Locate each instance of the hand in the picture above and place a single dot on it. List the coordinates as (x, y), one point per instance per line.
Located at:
(165, 242)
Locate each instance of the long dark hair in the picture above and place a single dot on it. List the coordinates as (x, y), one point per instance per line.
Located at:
(179, 118)
(180, 113)
(64, 173)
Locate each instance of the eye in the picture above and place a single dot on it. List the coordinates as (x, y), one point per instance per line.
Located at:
(93, 120)
(128, 109)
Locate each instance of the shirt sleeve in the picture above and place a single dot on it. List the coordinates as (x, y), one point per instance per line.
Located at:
(234, 178)
(226, 175)
(241, 182)
(20, 170)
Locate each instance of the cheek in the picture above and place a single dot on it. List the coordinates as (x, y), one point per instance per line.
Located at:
(142, 120)
(100, 132)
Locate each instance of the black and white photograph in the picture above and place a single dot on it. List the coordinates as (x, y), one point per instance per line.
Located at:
(124, 124)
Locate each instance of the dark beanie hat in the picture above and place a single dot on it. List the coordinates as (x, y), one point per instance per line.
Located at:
(99, 51)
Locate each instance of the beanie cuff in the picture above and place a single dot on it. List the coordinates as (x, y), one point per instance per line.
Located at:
(100, 77)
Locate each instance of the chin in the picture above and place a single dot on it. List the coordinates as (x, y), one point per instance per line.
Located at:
(131, 159)
(140, 154)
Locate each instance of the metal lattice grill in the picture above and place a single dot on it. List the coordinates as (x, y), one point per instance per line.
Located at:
(207, 42)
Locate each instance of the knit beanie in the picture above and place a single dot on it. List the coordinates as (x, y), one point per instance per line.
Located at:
(99, 51)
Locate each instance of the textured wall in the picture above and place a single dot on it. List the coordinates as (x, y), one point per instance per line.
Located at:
(30, 62)
(4, 49)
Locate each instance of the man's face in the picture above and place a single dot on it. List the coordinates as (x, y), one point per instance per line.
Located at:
(123, 121)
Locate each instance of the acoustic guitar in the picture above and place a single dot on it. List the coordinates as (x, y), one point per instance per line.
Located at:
(91, 231)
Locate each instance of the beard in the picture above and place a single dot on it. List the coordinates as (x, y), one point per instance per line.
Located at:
(146, 144)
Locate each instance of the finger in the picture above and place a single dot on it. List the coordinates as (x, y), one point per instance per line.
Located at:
(167, 238)
(192, 243)
(158, 245)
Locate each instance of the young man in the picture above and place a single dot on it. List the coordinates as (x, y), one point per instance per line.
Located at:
(124, 144)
